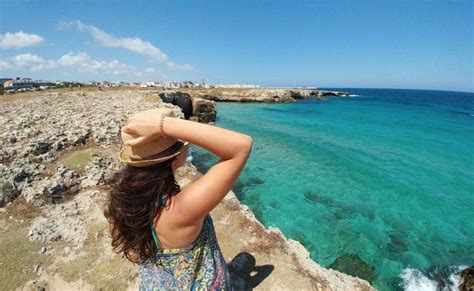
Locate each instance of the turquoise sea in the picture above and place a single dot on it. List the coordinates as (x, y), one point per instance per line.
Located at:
(379, 185)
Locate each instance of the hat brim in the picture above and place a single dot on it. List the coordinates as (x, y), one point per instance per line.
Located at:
(145, 163)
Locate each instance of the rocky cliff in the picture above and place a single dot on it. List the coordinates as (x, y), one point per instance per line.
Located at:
(57, 152)
(267, 95)
(200, 104)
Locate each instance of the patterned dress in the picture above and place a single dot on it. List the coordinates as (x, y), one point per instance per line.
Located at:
(199, 266)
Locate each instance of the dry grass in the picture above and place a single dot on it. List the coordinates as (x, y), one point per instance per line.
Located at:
(78, 159)
(94, 267)
(18, 254)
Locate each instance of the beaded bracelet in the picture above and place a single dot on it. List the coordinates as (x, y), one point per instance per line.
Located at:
(162, 120)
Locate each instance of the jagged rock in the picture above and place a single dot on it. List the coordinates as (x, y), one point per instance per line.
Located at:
(4, 171)
(61, 221)
(263, 95)
(467, 279)
(23, 172)
(297, 95)
(21, 176)
(81, 138)
(47, 158)
(322, 93)
(54, 229)
(204, 110)
(183, 100)
(56, 190)
(211, 97)
(7, 193)
(36, 130)
(39, 148)
(98, 171)
(257, 95)
(34, 193)
(63, 183)
(52, 189)
(60, 144)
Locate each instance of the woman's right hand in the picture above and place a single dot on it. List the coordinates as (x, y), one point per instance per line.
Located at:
(145, 125)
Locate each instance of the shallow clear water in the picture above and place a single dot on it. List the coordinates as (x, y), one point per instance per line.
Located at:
(373, 185)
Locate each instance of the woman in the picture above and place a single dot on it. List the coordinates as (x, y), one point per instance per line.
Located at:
(167, 230)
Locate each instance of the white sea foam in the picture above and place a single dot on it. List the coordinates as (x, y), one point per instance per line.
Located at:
(415, 280)
(455, 279)
(189, 157)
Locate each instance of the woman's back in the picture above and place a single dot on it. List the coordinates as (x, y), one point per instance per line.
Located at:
(199, 265)
(171, 231)
(168, 230)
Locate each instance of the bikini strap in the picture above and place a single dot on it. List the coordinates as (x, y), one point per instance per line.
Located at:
(153, 232)
(155, 239)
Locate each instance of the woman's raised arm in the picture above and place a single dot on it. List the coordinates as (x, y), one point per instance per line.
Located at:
(233, 148)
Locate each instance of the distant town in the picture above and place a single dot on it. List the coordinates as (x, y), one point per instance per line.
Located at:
(18, 84)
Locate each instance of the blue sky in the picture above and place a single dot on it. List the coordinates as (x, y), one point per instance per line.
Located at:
(379, 44)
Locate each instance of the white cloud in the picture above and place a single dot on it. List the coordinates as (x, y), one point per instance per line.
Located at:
(19, 40)
(134, 44)
(33, 63)
(184, 67)
(149, 70)
(4, 65)
(80, 61)
(84, 63)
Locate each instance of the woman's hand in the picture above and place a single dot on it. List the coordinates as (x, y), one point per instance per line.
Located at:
(145, 125)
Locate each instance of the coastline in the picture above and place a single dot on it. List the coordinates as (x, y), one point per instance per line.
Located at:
(265, 95)
(55, 219)
(238, 230)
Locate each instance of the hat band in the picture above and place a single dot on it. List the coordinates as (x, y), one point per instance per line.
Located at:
(169, 151)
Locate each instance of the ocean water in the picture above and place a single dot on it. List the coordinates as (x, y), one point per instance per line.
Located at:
(379, 185)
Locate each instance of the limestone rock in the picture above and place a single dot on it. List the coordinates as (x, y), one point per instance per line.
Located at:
(323, 93)
(183, 100)
(51, 189)
(38, 130)
(267, 95)
(40, 147)
(467, 279)
(7, 193)
(204, 110)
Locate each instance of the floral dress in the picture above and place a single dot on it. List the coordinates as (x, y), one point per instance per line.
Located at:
(198, 266)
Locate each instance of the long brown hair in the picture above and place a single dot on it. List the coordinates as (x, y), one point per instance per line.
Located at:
(134, 200)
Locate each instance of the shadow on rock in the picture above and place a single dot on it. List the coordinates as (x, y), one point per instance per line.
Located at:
(241, 267)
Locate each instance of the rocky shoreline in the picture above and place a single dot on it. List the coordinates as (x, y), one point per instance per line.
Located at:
(57, 153)
(266, 95)
(200, 104)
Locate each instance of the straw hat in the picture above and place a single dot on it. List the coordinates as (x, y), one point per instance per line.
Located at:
(154, 152)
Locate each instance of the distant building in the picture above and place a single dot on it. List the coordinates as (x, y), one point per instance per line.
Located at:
(5, 83)
(22, 81)
(105, 83)
(237, 86)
